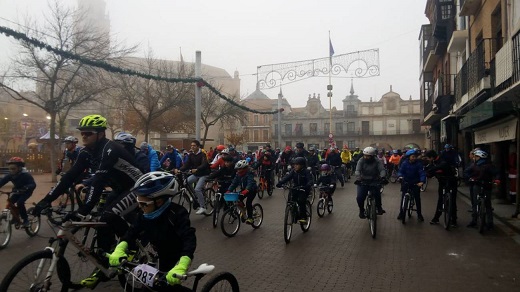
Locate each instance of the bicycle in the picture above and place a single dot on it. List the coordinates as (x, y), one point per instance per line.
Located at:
(210, 191)
(447, 205)
(148, 275)
(186, 195)
(408, 203)
(292, 213)
(264, 186)
(370, 206)
(393, 175)
(482, 208)
(236, 214)
(10, 216)
(325, 201)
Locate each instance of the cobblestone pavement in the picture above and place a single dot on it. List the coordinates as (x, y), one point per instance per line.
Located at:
(338, 253)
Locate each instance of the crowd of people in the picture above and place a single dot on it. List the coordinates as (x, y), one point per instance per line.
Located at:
(142, 180)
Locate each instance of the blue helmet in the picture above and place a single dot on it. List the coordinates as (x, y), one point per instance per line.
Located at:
(411, 152)
(448, 146)
(395, 151)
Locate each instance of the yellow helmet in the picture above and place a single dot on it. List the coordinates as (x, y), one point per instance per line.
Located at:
(94, 122)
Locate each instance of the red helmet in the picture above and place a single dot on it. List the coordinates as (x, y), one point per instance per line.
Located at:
(220, 147)
(288, 148)
(16, 160)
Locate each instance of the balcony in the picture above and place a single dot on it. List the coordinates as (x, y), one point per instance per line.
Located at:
(458, 41)
(348, 133)
(350, 114)
(469, 7)
(506, 85)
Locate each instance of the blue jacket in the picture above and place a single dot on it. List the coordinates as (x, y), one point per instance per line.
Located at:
(175, 159)
(412, 173)
(154, 159)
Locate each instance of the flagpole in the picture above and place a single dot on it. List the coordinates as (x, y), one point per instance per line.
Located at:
(329, 88)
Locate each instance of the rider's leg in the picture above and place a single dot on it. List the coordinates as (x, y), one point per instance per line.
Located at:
(301, 200)
(195, 179)
(417, 196)
(362, 192)
(18, 201)
(376, 191)
(120, 207)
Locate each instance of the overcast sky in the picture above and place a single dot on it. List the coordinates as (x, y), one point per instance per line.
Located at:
(243, 34)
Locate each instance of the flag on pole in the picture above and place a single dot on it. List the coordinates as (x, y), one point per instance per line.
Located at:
(331, 50)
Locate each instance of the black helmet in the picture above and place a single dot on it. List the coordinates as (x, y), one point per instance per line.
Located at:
(300, 161)
(299, 145)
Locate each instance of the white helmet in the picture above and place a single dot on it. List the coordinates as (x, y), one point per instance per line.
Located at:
(125, 138)
(71, 139)
(225, 151)
(370, 151)
(241, 164)
(156, 184)
(480, 153)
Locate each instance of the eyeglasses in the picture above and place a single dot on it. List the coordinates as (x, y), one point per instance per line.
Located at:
(144, 204)
(88, 134)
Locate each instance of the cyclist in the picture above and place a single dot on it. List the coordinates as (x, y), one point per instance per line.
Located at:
(356, 155)
(246, 180)
(346, 159)
(445, 174)
(450, 155)
(313, 161)
(393, 162)
(285, 158)
(128, 142)
(173, 158)
(164, 224)
(266, 166)
(217, 153)
(412, 172)
(482, 174)
(220, 161)
(300, 150)
(302, 182)
(225, 174)
(369, 169)
(197, 164)
(327, 178)
(334, 159)
(71, 152)
(152, 155)
(23, 187)
(113, 166)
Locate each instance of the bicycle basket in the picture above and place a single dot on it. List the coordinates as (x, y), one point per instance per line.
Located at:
(231, 197)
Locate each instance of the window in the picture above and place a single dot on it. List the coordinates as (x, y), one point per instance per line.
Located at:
(266, 135)
(256, 120)
(288, 129)
(327, 128)
(313, 128)
(339, 128)
(351, 127)
(350, 108)
(256, 137)
(365, 127)
(298, 129)
(266, 119)
(351, 144)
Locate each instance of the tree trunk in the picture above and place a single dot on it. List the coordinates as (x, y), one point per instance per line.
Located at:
(52, 146)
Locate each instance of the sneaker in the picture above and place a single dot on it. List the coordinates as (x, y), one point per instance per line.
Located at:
(381, 212)
(362, 215)
(93, 280)
(420, 218)
(434, 221)
(201, 211)
(302, 221)
(249, 221)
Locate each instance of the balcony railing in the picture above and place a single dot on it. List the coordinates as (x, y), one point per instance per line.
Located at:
(351, 133)
(516, 58)
(443, 86)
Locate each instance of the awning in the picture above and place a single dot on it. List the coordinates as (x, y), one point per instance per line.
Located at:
(503, 131)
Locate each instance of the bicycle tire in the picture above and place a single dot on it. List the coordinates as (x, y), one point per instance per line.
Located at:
(330, 204)
(35, 223)
(216, 211)
(230, 222)
(258, 216)
(9, 282)
(6, 231)
(184, 200)
(481, 216)
(447, 211)
(312, 196)
(406, 201)
(320, 207)
(270, 187)
(223, 281)
(308, 210)
(373, 218)
(260, 191)
(288, 222)
(209, 201)
(393, 177)
(125, 279)
(411, 207)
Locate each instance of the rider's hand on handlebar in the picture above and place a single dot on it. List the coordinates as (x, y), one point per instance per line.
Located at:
(179, 269)
(119, 253)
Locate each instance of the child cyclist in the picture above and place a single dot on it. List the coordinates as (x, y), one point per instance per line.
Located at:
(412, 173)
(224, 175)
(246, 180)
(327, 179)
(302, 179)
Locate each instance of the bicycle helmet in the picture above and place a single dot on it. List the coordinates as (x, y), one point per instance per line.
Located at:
(369, 151)
(169, 147)
(395, 152)
(241, 164)
(448, 146)
(325, 167)
(70, 139)
(225, 151)
(231, 148)
(411, 152)
(125, 138)
(156, 184)
(16, 160)
(480, 153)
(92, 122)
(300, 161)
(220, 147)
(312, 149)
(287, 148)
(299, 145)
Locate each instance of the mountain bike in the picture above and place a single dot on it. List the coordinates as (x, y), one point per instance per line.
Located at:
(325, 202)
(236, 214)
(155, 280)
(186, 195)
(292, 213)
(393, 176)
(370, 206)
(483, 205)
(10, 216)
(447, 204)
(408, 202)
(264, 185)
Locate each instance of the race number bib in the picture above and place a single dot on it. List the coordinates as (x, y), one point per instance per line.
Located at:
(145, 274)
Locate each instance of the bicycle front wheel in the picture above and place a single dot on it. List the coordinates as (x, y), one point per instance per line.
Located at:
(258, 216)
(230, 223)
(209, 201)
(406, 202)
(34, 223)
(184, 200)
(288, 222)
(320, 207)
(372, 219)
(447, 211)
(312, 196)
(5, 230)
(29, 274)
(261, 190)
(308, 211)
(223, 281)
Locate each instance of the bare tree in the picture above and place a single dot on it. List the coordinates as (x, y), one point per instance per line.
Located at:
(151, 99)
(61, 82)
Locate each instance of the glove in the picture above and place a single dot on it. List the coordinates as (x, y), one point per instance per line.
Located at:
(118, 253)
(244, 192)
(180, 269)
(39, 208)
